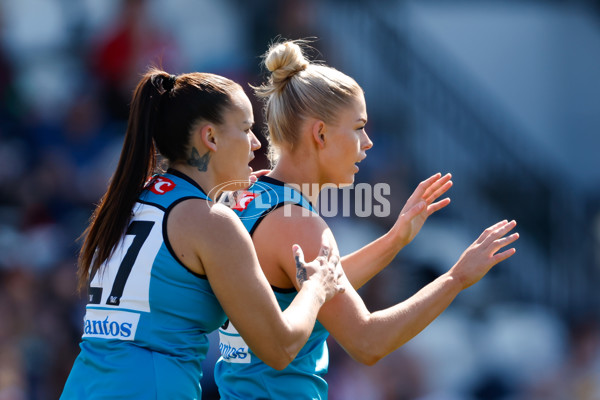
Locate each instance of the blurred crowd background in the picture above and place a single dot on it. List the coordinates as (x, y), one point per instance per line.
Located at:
(504, 95)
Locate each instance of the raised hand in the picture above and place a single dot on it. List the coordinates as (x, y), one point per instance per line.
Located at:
(325, 270)
(420, 205)
(482, 254)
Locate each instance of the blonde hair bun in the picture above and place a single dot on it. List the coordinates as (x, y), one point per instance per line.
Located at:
(285, 60)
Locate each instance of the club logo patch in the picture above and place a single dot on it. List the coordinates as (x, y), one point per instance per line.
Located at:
(161, 185)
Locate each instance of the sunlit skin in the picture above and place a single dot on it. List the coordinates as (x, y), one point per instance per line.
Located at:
(201, 233)
(229, 146)
(344, 144)
(328, 152)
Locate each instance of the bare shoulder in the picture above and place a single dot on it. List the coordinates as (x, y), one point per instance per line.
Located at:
(197, 229)
(280, 230)
(197, 215)
(294, 219)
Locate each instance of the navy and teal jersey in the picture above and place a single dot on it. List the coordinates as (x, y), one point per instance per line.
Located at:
(147, 317)
(239, 373)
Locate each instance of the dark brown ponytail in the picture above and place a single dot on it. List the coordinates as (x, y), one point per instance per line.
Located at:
(164, 110)
(136, 163)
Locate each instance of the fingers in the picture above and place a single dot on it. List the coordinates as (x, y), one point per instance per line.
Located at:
(438, 188)
(260, 172)
(496, 236)
(415, 210)
(426, 193)
(339, 275)
(428, 182)
(424, 185)
(486, 233)
(298, 255)
(324, 251)
(335, 260)
(504, 255)
(502, 230)
(505, 241)
(437, 206)
(430, 189)
(254, 175)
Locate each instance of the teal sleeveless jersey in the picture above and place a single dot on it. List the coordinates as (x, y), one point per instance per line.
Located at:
(239, 373)
(144, 331)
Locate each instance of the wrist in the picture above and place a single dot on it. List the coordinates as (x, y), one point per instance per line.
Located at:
(315, 290)
(455, 279)
(395, 241)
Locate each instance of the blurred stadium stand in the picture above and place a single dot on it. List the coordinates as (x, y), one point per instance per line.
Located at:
(504, 95)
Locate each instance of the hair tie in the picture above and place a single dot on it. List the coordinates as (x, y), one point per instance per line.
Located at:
(169, 83)
(163, 84)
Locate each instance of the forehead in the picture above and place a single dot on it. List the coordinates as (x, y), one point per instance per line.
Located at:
(241, 105)
(356, 109)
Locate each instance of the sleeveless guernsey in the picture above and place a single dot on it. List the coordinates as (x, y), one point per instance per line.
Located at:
(239, 373)
(144, 332)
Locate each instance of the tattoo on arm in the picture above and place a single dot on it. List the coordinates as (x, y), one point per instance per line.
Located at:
(200, 162)
(300, 271)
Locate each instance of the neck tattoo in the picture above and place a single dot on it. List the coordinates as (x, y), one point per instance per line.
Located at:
(198, 161)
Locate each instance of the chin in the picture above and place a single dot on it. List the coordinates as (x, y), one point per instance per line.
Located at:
(346, 182)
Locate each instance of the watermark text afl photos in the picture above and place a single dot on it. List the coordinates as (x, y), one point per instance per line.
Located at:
(361, 200)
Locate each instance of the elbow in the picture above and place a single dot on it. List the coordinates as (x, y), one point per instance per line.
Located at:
(367, 358)
(279, 365)
(279, 360)
(278, 351)
(366, 353)
(277, 357)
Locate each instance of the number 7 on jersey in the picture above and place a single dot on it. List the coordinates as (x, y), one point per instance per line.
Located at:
(140, 231)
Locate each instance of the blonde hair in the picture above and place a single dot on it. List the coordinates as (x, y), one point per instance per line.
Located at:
(298, 89)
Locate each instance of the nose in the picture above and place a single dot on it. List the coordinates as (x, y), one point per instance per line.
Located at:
(365, 142)
(254, 142)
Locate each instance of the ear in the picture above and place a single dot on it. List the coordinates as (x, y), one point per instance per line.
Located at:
(207, 137)
(319, 131)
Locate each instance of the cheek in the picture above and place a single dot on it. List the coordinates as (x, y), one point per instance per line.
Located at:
(242, 144)
(352, 146)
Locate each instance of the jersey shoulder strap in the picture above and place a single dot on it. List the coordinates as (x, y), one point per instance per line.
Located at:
(265, 195)
(164, 190)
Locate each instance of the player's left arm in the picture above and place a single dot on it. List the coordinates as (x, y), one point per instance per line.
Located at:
(365, 263)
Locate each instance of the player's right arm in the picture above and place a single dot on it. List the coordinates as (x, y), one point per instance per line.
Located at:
(369, 336)
(211, 240)
(363, 264)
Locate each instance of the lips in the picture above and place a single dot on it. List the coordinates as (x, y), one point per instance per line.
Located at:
(363, 156)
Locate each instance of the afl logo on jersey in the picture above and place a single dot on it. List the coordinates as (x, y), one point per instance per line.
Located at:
(249, 203)
(243, 199)
(161, 185)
